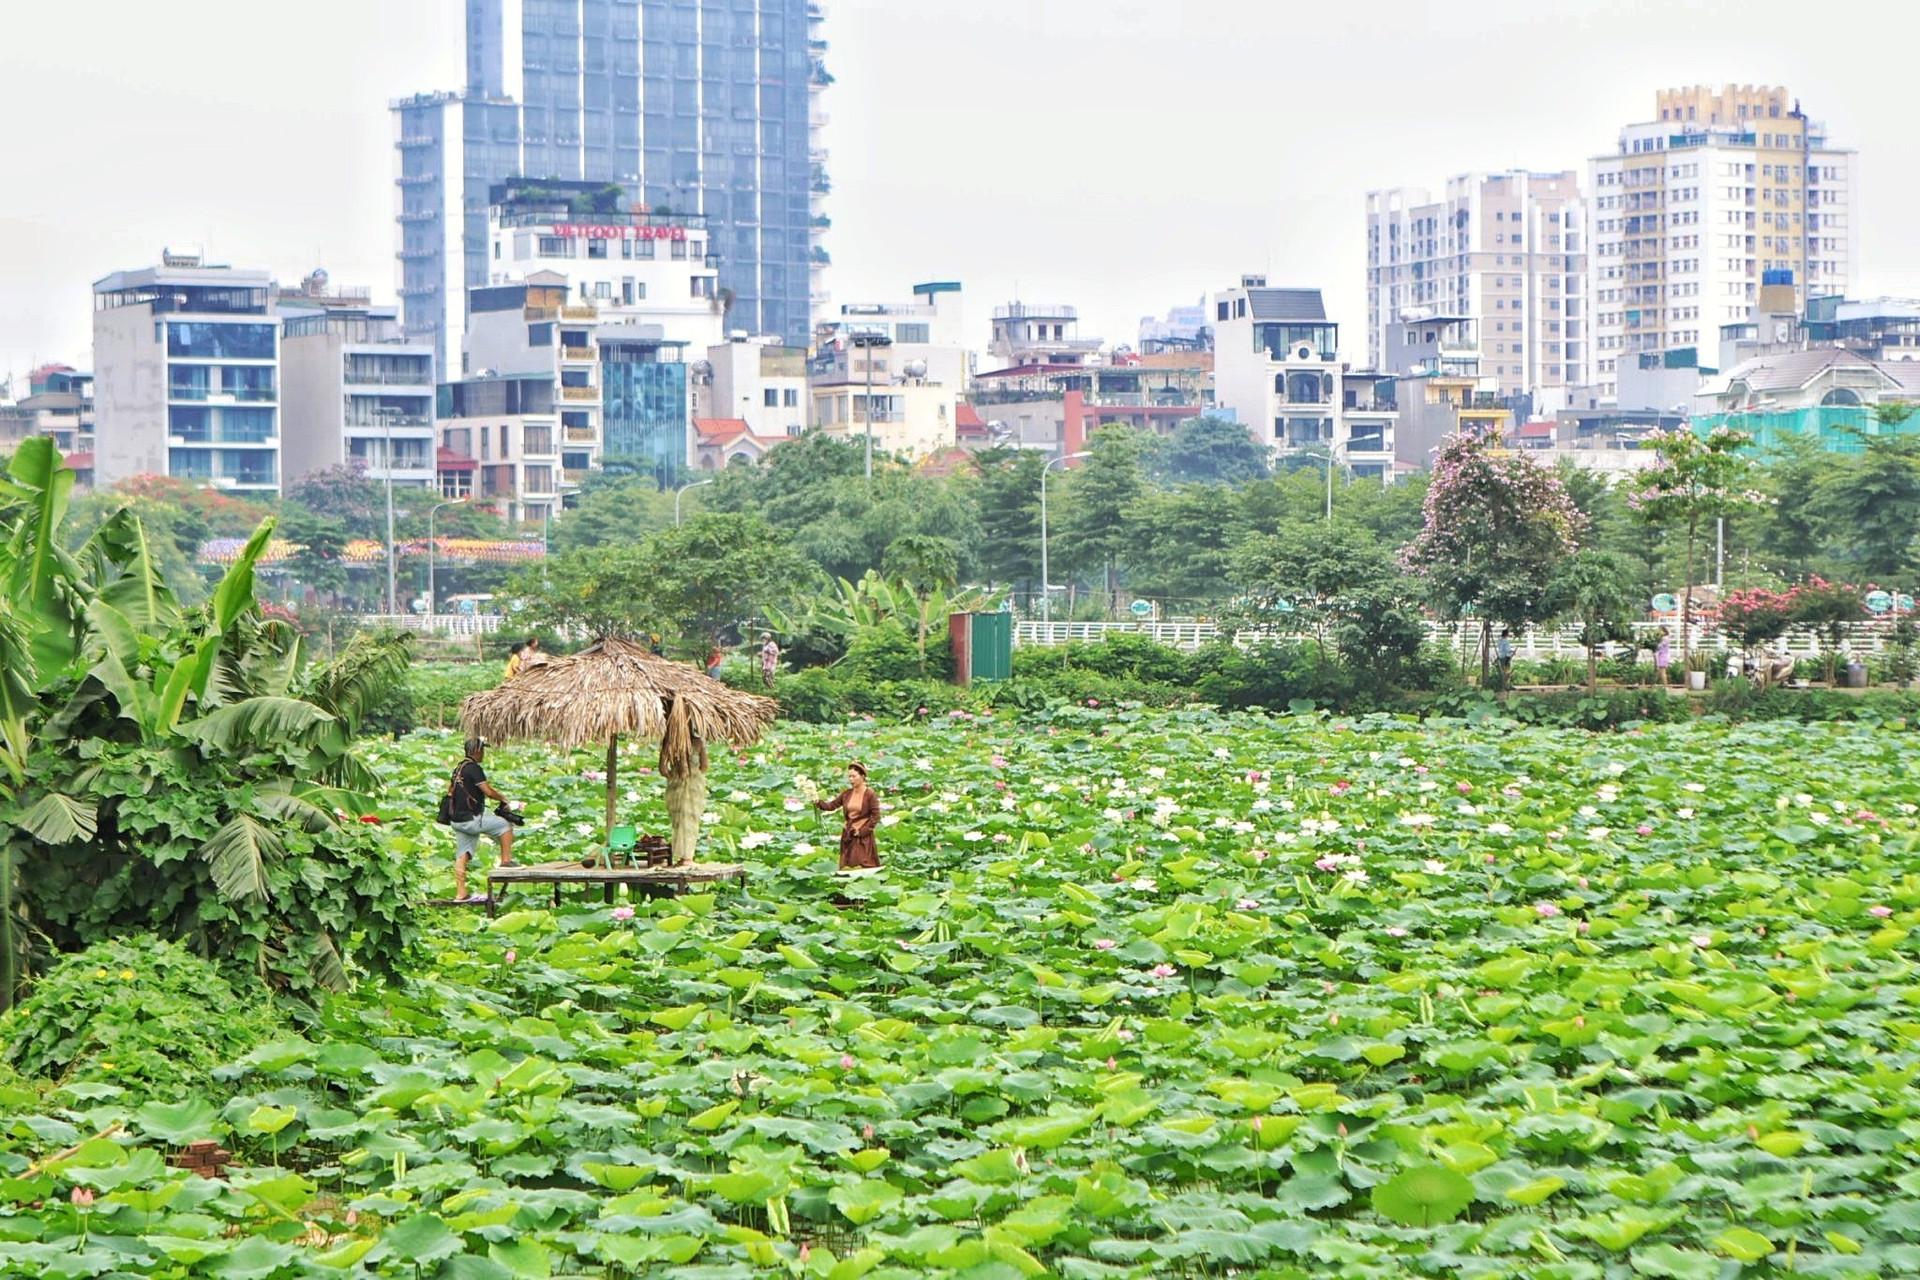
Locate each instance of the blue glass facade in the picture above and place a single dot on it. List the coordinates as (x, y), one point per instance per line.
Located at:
(644, 413)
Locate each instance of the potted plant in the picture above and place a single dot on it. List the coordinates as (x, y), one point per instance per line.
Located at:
(1697, 669)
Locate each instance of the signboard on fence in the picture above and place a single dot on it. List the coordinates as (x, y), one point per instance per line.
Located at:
(1664, 603)
(1142, 609)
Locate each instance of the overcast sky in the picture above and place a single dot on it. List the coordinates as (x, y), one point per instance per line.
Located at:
(1122, 155)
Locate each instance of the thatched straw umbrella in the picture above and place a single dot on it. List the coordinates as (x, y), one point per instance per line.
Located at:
(616, 687)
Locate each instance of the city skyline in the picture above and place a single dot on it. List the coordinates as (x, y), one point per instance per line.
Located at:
(1119, 176)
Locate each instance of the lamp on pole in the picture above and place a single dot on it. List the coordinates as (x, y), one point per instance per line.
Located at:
(385, 414)
(433, 598)
(867, 342)
(1046, 587)
(1332, 449)
(676, 498)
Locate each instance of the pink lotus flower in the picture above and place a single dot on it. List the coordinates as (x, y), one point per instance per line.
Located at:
(922, 711)
(1164, 971)
(1585, 925)
(1093, 702)
(1123, 1035)
(1259, 855)
(1247, 904)
(82, 1198)
(511, 955)
(999, 762)
(1510, 791)
(866, 1132)
(1643, 829)
(1546, 910)
(1112, 1065)
(1420, 768)
(846, 1062)
(1341, 787)
(1256, 1124)
(1882, 912)
(1582, 882)
(806, 1251)
(1103, 944)
(1395, 931)
(623, 913)
(1463, 787)
(1701, 940)
(1329, 863)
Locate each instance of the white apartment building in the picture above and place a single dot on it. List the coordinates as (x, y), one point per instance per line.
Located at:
(509, 426)
(1277, 367)
(354, 391)
(1723, 191)
(930, 330)
(1505, 250)
(649, 268)
(187, 376)
(758, 381)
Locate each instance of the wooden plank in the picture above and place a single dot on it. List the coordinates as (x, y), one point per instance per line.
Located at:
(573, 873)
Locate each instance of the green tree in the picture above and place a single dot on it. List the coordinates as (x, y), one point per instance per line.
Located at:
(1595, 591)
(1790, 525)
(321, 542)
(1697, 480)
(1868, 506)
(1008, 498)
(925, 566)
(1497, 525)
(1307, 573)
(1181, 543)
(347, 494)
(617, 509)
(1210, 450)
(1099, 501)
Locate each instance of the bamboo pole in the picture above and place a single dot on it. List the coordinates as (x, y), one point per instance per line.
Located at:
(613, 781)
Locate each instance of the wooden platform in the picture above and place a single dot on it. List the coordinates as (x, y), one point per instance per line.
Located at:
(653, 881)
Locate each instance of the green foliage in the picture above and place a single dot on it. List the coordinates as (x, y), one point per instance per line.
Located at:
(1594, 591)
(140, 1014)
(1090, 532)
(881, 653)
(1210, 450)
(179, 771)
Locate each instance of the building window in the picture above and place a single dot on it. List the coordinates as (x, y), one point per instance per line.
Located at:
(790, 398)
(913, 333)
(770, 398)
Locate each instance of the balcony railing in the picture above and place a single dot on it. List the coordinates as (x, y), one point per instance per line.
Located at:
(576, 353)
(579, 393)
(582, 435)
(579, 313)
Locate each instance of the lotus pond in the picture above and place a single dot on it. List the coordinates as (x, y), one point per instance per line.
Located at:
(1137, 994)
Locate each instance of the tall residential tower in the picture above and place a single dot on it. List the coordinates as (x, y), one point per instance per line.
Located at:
(1722, 192)
(1506, 251)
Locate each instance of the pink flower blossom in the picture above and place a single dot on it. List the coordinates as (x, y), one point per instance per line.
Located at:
(1341, 787)
(866, 1132)
(1585, 925)
(1247, 904)
(1546, 910)
(1256, 1124)
(1103, 944)
(1643, 829)
(1093, 702)
(1702, 940)
(1419, 768)
(1395, 931)
(1123, 1035)
(1882, 912)
(846, 1062)
(511, 955)
(1329, 863)
(1463, 787)
(999, 762)
(1582, 882)
(623, 913)
(1112, 1063)
(82, 1198)
(1164, 971)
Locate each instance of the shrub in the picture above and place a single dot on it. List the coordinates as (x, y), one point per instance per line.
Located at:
(883, 652)
(144, 1014)
(811, 696)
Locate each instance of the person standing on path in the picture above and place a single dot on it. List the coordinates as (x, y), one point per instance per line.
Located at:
(469, 791)
(1503, 650)
(861, 809)
(769, 658)
(714, 659)
(1663, 656)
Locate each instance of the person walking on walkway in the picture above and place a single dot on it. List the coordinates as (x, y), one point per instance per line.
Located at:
(769, 658)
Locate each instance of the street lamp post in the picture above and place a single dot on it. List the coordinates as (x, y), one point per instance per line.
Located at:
(867, 342)
(1046, 586)
(385, 414)
(676, 498)
(433, 597)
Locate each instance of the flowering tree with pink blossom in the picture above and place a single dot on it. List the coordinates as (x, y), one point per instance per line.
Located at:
(1497, 525)
(1694, 481)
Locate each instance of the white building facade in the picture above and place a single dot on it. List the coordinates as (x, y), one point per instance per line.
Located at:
(1506, 250)
(1724, 191)
(1277, 367)
(755, 380)
(930, 330)
(354, 391)
(187, 376)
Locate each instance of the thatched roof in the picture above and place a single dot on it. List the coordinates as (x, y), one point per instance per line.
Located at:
(613, 687)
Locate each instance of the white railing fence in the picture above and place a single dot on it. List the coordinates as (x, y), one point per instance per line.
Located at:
(1464, 638)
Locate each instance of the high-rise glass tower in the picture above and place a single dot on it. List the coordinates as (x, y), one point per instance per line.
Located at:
(691, 106)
